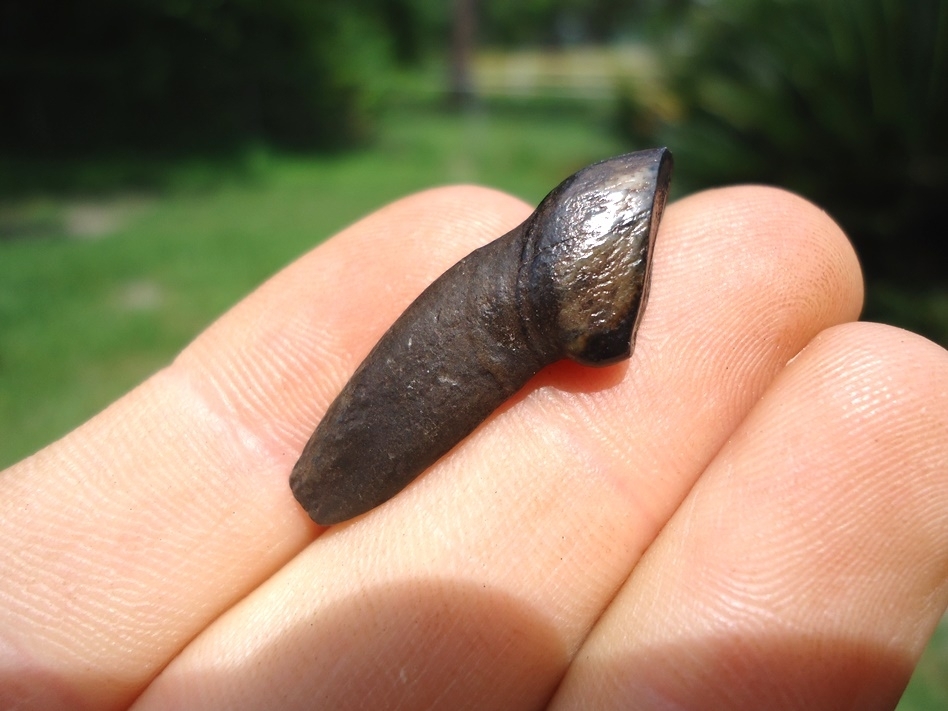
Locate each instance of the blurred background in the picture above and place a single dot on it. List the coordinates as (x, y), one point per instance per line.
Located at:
(160, 158)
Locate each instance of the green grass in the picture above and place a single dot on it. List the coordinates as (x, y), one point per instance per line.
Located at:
(928, 690)
(86, 316)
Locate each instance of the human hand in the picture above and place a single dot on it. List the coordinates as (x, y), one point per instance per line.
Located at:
(751, 513)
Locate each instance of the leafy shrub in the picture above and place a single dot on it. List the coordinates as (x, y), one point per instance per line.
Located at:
(80, 77)
(844, 101)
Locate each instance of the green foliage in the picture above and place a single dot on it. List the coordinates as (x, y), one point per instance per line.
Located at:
(556, 22)
(80, 77)
(416, 28)
(928, 688)
(845, 101)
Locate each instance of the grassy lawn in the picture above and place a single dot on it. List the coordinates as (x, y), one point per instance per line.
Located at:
(98, 292)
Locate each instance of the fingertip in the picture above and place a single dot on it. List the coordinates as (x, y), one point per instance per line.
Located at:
(758, 223)
(753, 261)
(888, 390)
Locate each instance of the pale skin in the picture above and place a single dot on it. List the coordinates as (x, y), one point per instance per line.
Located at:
(752, 513)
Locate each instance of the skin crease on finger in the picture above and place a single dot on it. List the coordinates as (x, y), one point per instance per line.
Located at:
(823, 564)
(474, 587)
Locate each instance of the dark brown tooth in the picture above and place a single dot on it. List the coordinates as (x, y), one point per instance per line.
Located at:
(570, 282)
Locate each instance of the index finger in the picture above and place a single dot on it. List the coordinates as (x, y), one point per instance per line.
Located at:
(127, 537)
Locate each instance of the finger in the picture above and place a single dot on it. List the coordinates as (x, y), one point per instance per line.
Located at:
(127, 537)
(474, 586)
(809, 565)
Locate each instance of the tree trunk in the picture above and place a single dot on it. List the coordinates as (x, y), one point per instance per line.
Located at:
(461, 91)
